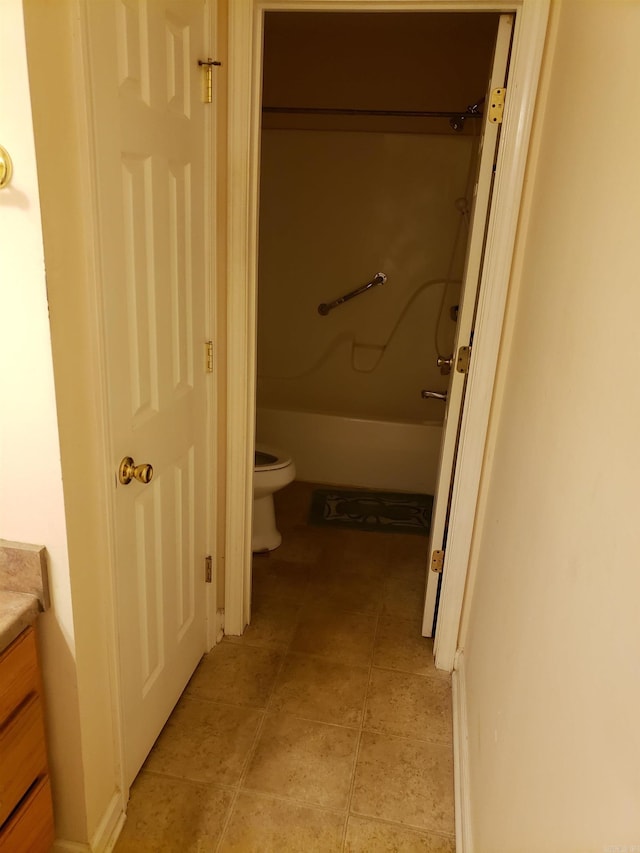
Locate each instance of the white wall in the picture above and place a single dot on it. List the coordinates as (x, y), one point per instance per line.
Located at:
(552, 635)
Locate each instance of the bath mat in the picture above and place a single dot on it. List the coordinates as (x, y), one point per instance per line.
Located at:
(359, 509)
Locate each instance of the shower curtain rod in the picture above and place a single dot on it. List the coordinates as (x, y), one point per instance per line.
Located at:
(394, 113)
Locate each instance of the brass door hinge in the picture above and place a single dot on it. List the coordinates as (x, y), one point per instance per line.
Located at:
(437, 561)
(496, 105)
(464, 357)
(208, 569)
(208, 355)
(207, 66)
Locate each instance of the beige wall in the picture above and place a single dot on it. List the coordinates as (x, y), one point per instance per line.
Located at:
(552, 631)
(87, 795)
(336, 208)
(31, 497)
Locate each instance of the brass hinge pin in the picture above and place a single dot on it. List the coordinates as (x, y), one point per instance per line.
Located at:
(207, 66)
(208, 350)
(208, 569)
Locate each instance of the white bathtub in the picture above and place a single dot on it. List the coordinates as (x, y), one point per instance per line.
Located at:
(356, 452)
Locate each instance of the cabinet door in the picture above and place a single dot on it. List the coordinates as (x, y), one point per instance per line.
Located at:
(31, 828)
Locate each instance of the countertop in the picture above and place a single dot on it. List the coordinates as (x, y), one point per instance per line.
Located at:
(18, 610)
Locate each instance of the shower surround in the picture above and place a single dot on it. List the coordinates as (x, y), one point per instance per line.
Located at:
(341, 392)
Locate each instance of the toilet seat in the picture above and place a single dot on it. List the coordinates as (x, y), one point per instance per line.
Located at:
(269, 459)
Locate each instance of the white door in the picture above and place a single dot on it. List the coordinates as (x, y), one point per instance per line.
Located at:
(149, 126)
(466, 313)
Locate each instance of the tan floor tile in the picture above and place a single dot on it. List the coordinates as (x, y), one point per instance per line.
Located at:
(321, 690)
(408, 555)
(400, 703)
(400, 645)
(372, 836)
(300, 544)
(205, 742)
(263, 825)
(304, 760)
(237, 674)
(344, 590)
(404, 598)
(361, 552)
(165, 815)
(275, 578)
(273, 623)
(406, 781)
(292, 504)
(335, 634)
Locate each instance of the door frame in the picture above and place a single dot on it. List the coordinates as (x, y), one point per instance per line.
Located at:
(246, 23)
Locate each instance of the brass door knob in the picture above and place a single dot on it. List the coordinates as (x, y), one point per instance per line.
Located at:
(6, 167)
(129, 471)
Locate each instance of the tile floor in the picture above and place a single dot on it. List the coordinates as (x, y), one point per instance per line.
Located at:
(325, 727)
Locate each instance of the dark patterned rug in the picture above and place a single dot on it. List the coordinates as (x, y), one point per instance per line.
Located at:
(361, 509)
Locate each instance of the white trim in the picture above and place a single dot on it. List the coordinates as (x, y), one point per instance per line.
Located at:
(89, 201)
(218, 626)
(213, 535)
(242, 194)
(245, 31)
(526, 58)
(464, 839)
(106, 835)
(110, 827)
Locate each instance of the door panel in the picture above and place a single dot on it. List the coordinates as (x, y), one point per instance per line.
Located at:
(466, 313)
(149, 126)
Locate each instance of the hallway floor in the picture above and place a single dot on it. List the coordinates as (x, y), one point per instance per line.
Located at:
(325, 727)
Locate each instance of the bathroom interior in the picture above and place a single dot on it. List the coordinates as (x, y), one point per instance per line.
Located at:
(370, 132)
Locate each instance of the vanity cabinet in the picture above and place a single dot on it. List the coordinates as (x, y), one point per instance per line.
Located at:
(26, 814)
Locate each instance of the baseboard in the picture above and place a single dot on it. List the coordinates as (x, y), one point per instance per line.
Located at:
(219, 625)
(104, 838)
(464, 839)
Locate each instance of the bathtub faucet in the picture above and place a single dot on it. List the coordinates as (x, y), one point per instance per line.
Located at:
(434, 395)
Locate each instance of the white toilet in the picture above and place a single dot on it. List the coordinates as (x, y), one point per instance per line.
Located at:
(273, 470)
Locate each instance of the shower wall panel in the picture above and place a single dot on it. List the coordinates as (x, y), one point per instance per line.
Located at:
(336, 208)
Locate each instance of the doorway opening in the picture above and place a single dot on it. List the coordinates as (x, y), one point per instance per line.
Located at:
(369, 152)
(503, 188)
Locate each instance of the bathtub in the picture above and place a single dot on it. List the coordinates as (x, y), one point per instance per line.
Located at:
(355, 451)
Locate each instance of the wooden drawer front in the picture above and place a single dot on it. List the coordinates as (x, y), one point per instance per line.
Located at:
(18, 672)
(30, 830)
(22, 755)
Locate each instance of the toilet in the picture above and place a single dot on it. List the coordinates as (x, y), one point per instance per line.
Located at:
(273, 470)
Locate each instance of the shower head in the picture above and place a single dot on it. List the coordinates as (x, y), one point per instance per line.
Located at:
(474, 109)
(456, 122)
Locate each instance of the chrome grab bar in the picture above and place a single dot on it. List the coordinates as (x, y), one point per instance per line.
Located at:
(324, 308)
